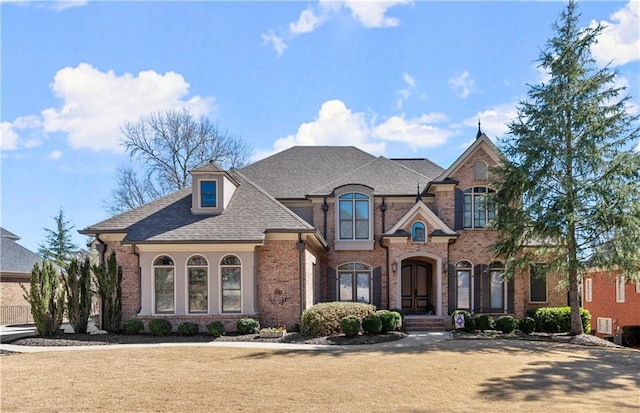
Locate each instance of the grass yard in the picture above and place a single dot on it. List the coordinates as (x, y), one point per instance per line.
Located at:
(456, 376)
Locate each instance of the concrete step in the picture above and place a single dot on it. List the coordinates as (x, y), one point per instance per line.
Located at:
(418, 323)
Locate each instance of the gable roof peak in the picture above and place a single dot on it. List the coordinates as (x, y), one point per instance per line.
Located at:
(211, 166)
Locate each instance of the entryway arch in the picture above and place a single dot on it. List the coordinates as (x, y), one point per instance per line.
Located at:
(420, 284)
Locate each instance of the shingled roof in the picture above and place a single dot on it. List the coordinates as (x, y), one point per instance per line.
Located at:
(14, 258)
(250, 213)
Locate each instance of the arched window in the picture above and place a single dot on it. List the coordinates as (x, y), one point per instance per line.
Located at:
(354, 282)
(164, 283)
(496, 290)
(480, 171)
(463, 285)
(479, 208)
(198, 279)
(418, 232)
(353, 218)
(230, 275)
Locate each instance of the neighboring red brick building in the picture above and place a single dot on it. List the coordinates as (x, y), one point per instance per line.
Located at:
(313, 224)
(612, 300)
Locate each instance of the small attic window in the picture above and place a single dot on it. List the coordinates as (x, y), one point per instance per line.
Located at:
(418, 232)
(480, 171)
(208, 194)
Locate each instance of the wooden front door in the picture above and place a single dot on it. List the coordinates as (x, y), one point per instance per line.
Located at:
(416, 286)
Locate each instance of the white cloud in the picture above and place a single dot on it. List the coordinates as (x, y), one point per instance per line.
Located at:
(619, 42)
(55, 155)
(8, 137)
(405, 92)
(462, 85)
(54, 4)
(96, 103)
(337, 125)
(370, 14)
(494, 120)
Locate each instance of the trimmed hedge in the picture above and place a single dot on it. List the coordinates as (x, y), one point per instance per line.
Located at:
(248, 326)
(557, 319)
(399, 317)
(389, 321)
(132, 326)
(216, 328)
(484, 322)
(527, 325)
(324, 319)
(372, 324)
(188, 328)
(506, 324)
(350, 325)
(631, 336)
(160, 327)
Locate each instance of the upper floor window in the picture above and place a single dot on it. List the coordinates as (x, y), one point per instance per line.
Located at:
(164, 282)
(208, 194)
(479, 209)
(197, 278)
(588, 289)
(418, 232)
(480, 171)
(231, 274)
(620, 285)
(354, 282)
(353, 218)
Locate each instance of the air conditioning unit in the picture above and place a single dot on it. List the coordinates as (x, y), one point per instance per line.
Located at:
(617, 339)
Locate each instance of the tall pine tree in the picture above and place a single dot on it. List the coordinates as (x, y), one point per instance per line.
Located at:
(572, 183)
(58, 246)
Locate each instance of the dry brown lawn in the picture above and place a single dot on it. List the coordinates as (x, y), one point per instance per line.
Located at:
(456, 376)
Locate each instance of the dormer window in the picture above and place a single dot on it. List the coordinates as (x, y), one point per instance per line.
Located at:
(208, 194)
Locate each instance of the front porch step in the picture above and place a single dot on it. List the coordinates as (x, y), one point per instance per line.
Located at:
(423, 323)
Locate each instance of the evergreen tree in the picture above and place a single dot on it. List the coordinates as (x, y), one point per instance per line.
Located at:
(77, 284)
(571, 185)
(46, 297)
(109, 283)
(58, 246)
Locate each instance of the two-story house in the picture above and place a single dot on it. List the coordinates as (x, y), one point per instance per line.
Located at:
(313, 224)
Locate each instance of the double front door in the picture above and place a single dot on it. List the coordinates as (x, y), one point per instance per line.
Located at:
(416, 286)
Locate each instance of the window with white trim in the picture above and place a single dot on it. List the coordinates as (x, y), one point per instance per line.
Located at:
(198, 284)
(230, 278)
(604, 325)
(354, 282)
(479, 208)
(463, 285)
(588, 290)
(353, 220)
(164, 285)
(620, 285)
(497, 289)
(638, 286)
(537, 284)
(418, 232)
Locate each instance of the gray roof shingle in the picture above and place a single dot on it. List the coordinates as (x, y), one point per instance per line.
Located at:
(14, 258)
(422, 166)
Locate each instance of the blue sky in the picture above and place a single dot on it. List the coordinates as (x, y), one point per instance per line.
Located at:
(399, 79)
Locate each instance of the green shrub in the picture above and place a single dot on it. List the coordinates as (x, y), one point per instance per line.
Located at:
(46, 297)
(399, 311)
(160, 327)
(350, 325)
(527, 325)
(469, 324)
(453, 316)
(484, 322)
(188, 328)
(506, 324)
(557, 319)
(399, 319)
(372, 324)
(324, 319)
(133, 326)
(248, 326)
(388, 319)
(631, 336)
(216, 328)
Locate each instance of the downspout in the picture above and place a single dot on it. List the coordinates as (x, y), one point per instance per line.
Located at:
(300, 246)
(325, 208)
(137, 254)
(102, 249)
(383, 209)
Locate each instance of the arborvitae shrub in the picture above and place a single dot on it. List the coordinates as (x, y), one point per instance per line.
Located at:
(469, 324)
(506, 324)
(372, 324)
(46, 297)
(160, 327)
(188, 328)
(484, 322)
(216, 328)
(388, 319)
(132, 326)
(350, 325)
(527, 325)
(248, 326)
(324, 319)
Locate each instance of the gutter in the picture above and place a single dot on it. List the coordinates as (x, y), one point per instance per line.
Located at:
(301, 248)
